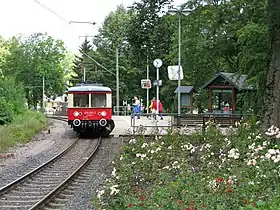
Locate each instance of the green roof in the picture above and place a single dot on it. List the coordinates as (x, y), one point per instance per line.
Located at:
(236, 80)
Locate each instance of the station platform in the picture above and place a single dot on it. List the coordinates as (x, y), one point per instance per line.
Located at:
(126, 125)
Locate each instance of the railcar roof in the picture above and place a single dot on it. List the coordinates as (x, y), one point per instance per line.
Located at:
(89, 88)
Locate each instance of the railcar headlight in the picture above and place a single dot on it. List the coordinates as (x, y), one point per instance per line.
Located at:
(76, 114)
(103, 114)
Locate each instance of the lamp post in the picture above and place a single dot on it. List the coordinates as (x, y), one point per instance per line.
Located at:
(180, 12)
(86, 22)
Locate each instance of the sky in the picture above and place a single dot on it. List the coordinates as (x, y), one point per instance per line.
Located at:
(28, 16)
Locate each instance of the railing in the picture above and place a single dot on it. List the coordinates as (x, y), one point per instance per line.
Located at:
(123, 110)
(223, 119)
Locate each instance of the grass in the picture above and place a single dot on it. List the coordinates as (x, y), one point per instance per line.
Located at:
(21, 130)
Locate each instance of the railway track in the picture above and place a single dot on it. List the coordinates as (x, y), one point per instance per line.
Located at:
(52, 182)
(64, 119)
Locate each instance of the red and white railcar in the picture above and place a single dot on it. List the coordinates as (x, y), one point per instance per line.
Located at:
(90, 109)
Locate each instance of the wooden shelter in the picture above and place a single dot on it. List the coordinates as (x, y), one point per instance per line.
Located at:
(186, 97)
(226, 83)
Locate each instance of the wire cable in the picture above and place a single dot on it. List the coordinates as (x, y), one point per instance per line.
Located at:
(56, 14)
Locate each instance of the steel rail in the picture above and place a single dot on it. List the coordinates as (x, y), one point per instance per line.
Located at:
(50, 196)
(15, 182)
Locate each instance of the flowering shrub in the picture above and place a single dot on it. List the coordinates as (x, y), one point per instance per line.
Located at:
(200, 171)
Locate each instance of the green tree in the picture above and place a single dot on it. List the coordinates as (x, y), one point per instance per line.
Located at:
(12, 99)
(272, 98)
(81, 62)
(32, 59)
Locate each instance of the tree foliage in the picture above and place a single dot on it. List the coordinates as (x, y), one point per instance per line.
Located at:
(32, 59)
(217, 35)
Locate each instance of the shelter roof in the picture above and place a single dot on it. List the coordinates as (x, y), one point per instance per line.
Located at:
(236, 80)
(185, 89)
(89, 88)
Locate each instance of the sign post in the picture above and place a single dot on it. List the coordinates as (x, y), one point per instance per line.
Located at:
(157, 63)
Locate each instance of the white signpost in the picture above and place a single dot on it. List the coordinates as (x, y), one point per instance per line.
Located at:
(173, 72)
(157, 63)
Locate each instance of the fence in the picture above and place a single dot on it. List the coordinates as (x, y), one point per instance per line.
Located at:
(123, 110)
(191, 120)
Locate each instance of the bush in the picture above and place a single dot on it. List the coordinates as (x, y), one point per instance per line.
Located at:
(12, 100)
(21, 130)
(210, 171)
(6, 113)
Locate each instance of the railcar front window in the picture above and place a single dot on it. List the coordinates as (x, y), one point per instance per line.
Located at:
(81, 100)
(98, 100)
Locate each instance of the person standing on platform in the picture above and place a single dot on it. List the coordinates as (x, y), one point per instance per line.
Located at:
(154, 108)
(137, 107)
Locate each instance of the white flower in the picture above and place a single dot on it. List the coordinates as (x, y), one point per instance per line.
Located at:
(152, 151)
(251, 162)
(233, 153)
(100, 193)
(170, 147)
(192, 150)
(277, 159)
(268, 156)
(144, 145)
(272, 151)
(114, 190)
(132, 141)
(114, 172)
(158, 149)
(121, 157)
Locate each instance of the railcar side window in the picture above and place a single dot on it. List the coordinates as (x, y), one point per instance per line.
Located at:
(98, 100)
(81, 100)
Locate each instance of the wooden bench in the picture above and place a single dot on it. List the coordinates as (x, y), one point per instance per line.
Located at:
(195, 120)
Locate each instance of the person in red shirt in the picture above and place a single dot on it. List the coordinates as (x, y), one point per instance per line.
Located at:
(154, 107)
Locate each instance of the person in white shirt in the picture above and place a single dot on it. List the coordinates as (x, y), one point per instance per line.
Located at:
(137, 107)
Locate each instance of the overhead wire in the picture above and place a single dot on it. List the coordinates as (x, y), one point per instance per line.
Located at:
(55, 13)
(63, 19)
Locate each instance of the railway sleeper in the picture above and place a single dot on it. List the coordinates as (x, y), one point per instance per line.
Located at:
(40, 185)
(45, 182)
(14, 207)
(26, 197)
(28, 202)
(69, 191)
(32, 189)
(26, 193)
(60, 200)
(55, 205)
(64, 196)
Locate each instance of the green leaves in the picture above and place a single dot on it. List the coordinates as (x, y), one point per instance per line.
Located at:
(33, 58)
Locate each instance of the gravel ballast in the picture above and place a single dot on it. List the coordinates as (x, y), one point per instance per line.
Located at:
(40, 149)
(83, 197)
(45, 146)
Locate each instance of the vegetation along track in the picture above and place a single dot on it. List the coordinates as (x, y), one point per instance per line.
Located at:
(40, 186)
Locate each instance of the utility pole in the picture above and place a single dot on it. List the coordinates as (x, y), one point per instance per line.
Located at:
(179, 66)
(117, 81)
(43, 104)
(84, 74)
(147, 79)
(180, 12)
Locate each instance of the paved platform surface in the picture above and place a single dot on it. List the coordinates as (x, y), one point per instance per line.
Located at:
(124, 125)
